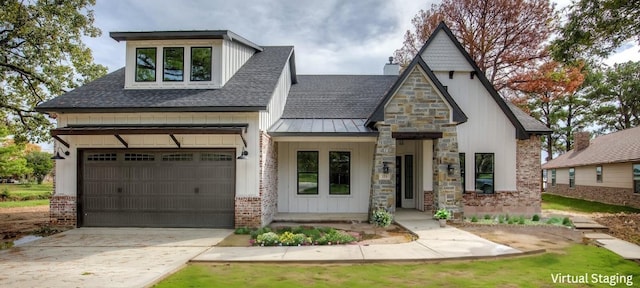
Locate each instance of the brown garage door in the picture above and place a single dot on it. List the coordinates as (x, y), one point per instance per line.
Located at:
(152, 188)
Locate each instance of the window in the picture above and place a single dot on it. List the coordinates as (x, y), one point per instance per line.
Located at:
(138, 157)
(636, 178)
(339, 173)
(572, 177)
(102, 157)
(462, 174)
(484, 173)
(200, 63)
(177, 157)
(599, 174)
(307, 172)
(553, 177)
(145, 64)
(408, 177)
(173, 64)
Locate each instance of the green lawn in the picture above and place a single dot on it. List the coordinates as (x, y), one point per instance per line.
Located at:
(529, 271)
(21, 192)
(27, 203)
(555, 202)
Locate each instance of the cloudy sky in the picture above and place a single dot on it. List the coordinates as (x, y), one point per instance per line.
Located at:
(330, 36)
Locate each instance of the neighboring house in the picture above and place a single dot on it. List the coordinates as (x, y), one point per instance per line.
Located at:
(207, 129)
(605, 169)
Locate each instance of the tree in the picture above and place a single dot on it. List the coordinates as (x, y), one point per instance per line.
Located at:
(550, 95)
(615, 97)
(40, 164)
(502, 36)
(41, 56)
(596, 28)
(12, 162)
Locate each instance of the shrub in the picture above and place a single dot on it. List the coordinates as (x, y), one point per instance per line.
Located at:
(511, 221)
(5, 193)
(500, 219)
(442, 214)
(535, 218)
(566, 221)
(382, 218)
(521, 220)
(268, 239)
(487, 217)
(256, 233)
(554, 221)
(287, 239)
(335, 237)
(242, 231)
(474, 219)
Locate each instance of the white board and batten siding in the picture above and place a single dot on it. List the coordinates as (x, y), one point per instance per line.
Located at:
(234, 55)
(361, 164)
(246, 170)
(278, 99)
(488, 130)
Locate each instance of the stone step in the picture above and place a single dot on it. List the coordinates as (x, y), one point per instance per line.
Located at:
(589, 226)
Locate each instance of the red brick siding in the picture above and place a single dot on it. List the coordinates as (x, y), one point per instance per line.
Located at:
(62, 211)
(247, 212)
(610, 195)
(268, 178)
(527, 199)
(429, 201)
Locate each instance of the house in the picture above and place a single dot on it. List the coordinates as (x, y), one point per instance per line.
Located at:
(605, 169)
(208, 129)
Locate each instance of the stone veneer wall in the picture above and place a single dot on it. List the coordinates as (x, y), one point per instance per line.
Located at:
(527, 199)
(429, 201)
(416, 107)
(268, 178)
(609, 195)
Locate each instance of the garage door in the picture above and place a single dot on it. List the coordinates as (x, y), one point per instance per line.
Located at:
(142, 188)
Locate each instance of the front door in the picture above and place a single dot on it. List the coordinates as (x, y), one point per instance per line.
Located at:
(405, 181)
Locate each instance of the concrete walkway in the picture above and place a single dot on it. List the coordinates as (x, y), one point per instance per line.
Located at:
(433, 243)
(104, 257)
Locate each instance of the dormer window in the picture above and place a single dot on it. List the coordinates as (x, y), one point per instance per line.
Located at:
(200, 63)
(145, 64)
(173, 64)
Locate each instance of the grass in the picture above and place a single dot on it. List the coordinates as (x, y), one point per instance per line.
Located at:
(555, 202)
(21, 192)
(27, 203)
(530, 271)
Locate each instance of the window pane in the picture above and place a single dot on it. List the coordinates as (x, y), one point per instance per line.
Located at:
(572, 177)
(408, 177)
(553, 177)
(339, 173)
(484, 173)
(201, 64)
(462, 172)
(308, 172)
(636, 178)
(599, 174)
(145, 64)
(173, 66)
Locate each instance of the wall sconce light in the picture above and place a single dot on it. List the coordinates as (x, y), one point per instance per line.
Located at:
(58, 156)
(243, 154)
(385, 167)
(450, 169)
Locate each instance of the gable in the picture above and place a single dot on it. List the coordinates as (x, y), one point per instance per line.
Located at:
(456, 116)
(441, 54)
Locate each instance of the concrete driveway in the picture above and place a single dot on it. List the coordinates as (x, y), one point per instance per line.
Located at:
(104, 257)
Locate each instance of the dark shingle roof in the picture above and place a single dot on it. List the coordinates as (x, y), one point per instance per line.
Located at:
(619, 147)
(336, 96)
(250, 89)
(529, 123)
